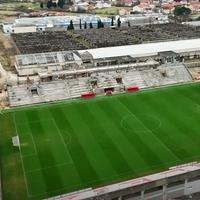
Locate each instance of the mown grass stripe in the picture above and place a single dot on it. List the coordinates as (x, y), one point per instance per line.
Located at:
(169, 129)
(45, 154)
(94, 151)
(85, 170)
(145, 149)
(117, 134)
(110, 149)
(184, 120)
(148, 134)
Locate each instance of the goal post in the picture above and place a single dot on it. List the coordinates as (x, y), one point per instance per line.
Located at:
(15, 141)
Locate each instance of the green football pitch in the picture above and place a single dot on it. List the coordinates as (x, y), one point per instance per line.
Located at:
(78, 144)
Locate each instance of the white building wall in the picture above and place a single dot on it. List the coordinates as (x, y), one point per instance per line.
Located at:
(192, 187)
(7, 28)
(23, 29)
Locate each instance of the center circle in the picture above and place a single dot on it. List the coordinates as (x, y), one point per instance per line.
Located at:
(140, 123)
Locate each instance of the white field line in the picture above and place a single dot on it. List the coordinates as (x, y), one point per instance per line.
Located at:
(35, 148)
(75, 185)
(34, 145)
(90, 182)
(63, 141)
(149, 130)
(138, 130)
(49, 167)
(106, 178)
(36, 153)
(25, 179)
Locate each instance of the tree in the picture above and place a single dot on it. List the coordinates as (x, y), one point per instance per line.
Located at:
(41, 5)
(91, 26)
(80, 24)
(112, 21)
(54, 5)
(85, 25)
(182, 13)
(118, 22)
(99, 24)
(49, 4)
(71, 25)
(61, 3)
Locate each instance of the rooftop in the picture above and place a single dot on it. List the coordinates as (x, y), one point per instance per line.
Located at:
(148, 49)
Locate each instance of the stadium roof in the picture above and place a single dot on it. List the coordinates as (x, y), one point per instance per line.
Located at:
(148, 49)
(28, 60)
(56, 20)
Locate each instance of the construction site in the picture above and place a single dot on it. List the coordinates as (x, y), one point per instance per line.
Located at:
(50, 41)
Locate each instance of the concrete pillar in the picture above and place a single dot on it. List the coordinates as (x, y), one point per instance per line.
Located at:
(164, 192)
(186, 182)
(142, 195)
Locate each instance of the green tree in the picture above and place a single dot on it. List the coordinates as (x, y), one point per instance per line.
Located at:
(80, 24)
(54, 5)
(112, 21)
(118, 22)
(41, 5)
(61, 3)
(85, 25)
(91, 26)
(99, 24)
(182, 13)
(49, 4)
(71, 25)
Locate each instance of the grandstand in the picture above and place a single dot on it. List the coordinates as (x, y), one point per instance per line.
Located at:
(69, 74)
(73, 88)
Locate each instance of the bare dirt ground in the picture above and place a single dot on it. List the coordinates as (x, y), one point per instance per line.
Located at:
(3, 96)
(7, 52)
(8, 16)
(195, 71)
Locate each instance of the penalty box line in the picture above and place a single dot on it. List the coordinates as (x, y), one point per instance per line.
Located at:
(49, 167)
(63, 141)
(36, 153)
(23, 168)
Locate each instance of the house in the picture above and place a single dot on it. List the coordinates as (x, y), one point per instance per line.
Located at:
(102, 4)
(124, 11)
(167, 7)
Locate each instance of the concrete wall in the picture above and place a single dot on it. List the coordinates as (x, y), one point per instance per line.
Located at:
(7, 28)
(163, 189)
(24, 29)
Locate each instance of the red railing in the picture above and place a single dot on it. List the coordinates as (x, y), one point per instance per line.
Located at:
(88, 95)
(132, 89)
